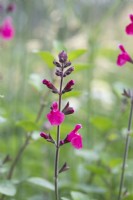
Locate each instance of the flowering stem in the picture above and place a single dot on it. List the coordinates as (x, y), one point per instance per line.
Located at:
(126, 150)
(58, 142)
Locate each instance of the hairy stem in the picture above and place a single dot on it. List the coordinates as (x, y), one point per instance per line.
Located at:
(126, 150)
(58, 143)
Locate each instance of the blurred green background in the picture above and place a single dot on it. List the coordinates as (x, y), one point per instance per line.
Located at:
(96, 26)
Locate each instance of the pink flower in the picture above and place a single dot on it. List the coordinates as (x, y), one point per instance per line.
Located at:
(55, 117)
(129, 27)
(7, 31)
(123, 57)
(75, 138)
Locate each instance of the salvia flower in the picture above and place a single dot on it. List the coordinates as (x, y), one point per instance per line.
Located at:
(62, 57)
(74, 137)
(7, 31)
(68, 86)
(55, 117)
(129, 27)
(123, 57)
(50, 85)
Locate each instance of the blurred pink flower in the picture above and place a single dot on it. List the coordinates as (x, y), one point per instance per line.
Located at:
(7, 31)
(123, 57)
(129, 27)
(55, 117)
(75, 138)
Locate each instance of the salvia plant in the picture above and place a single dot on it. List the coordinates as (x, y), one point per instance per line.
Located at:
(122, 59)
(57, 114)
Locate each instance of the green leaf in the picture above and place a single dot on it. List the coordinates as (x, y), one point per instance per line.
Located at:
(101, 123)
(47, 57)
(27, 125)
(76, 54)
(129, 197)
(114, 162)
(7, 188)
(41, 182)
(82, 66)
(71, 94)
(78, 196)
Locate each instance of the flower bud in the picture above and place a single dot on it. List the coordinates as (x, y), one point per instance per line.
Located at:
(68, 71)
(44, 135)
(47, 137)
(62, 57)
(67, 64)
(68, 86)
(58, 73)
(68, 110)
(57, 64)
(50, 85)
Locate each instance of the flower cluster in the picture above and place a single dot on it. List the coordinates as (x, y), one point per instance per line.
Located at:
(56, 116)
(7, 30)
(124, 57)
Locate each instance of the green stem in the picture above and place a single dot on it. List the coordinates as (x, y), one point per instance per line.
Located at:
(58, 143)
(126, 150)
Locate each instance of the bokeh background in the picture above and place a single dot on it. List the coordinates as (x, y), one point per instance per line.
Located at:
(98, 27)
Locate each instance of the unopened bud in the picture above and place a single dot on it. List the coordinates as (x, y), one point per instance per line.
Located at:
(67, 64)
(44, 135)
(57, 64)
(47, 137)
(68, 86)
(58, 73)
(62, 57)
(67, 110)
(50, 85)
(68, 71)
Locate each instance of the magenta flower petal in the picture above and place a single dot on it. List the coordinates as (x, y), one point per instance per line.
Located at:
(129, 29)
(123, 57)
(75, 138)
(77, 141)
(7, 31)
(131, 17)
(55, 117)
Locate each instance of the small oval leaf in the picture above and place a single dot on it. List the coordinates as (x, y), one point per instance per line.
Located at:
(41, 182)
(76, 54)
(7, 188)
